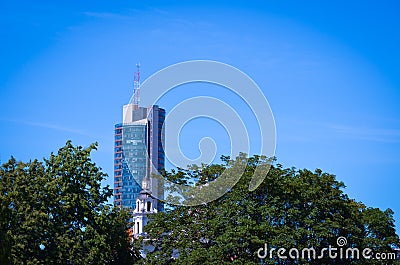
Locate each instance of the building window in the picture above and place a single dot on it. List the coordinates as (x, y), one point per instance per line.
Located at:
(148, 206)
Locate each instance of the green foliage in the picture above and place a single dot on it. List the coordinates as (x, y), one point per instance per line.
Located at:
(291, 208)
(55, 212)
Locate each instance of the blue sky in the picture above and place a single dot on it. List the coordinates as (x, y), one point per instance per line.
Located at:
(330, 71)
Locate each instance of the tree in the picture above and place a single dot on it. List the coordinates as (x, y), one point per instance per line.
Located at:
(290, 209)
(55, 212)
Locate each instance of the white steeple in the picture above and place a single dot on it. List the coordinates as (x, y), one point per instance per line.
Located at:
(145, 205)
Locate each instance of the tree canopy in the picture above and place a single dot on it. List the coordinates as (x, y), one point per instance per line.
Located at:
(55, 212)
(291, 209)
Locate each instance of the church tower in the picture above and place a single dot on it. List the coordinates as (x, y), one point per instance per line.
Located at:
(145, 205)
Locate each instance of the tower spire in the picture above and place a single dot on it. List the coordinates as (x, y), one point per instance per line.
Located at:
(146, 184)
(136, 87)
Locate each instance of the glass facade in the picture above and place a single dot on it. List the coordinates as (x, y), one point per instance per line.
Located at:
(134, 147)
(160, 140)
(130, 148)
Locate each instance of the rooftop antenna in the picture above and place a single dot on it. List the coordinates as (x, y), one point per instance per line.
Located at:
(136, 87)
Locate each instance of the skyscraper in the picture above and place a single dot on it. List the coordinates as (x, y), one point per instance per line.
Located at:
(138, 152)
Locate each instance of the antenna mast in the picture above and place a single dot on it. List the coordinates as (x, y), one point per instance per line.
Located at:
(136, 87)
